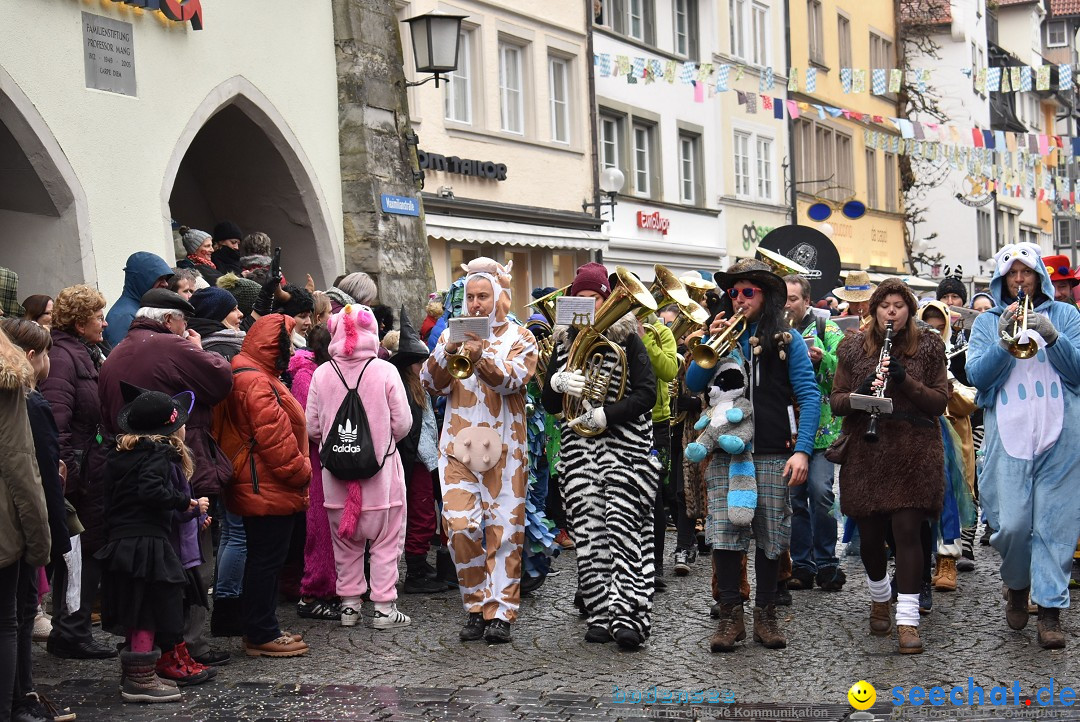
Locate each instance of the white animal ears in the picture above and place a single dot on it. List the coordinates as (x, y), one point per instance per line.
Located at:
(1027, 253)
(483, 264)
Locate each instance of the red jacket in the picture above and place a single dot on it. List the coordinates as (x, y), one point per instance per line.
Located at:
(261, 427)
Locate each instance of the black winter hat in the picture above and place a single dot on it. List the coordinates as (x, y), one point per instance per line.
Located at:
(226, 230)
(213, 303)
(952, 284)
(300, 301)
(153, 413)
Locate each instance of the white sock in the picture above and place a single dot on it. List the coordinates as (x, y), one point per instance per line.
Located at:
(907, 610)
(384, 607)
(881, 590)
(353, 602)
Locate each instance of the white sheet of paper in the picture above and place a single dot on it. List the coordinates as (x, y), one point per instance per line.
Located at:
(574, 310)
(480, 325)
(870, 404)
(967, 315)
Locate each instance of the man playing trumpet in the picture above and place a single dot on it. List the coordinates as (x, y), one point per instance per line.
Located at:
(1029, 488)
(781, 376)
(483, 453)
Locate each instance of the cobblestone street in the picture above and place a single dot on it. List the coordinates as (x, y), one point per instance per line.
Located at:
(549, 672)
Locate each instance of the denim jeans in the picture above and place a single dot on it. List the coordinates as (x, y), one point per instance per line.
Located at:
(813, 527)
(270, 537)
(232, 553)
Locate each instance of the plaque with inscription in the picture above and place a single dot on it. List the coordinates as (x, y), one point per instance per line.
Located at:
(108, 54)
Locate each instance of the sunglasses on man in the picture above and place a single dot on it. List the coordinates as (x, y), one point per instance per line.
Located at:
(747, 292)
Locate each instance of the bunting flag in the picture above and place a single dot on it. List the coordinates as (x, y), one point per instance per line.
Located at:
(993, 79)
(896, 76)
(845, 79)
(878, 81)
(767, 80)
(1005, 86)
(793, 108)
(858, 84)
(980, 80)
(793, 80)
(1042, 79)
(811, 80)
(722, 74)
(1065, 77)
(1025, 79)
(687, 74)
(1014, 77)
(766, 102)
(638, 69)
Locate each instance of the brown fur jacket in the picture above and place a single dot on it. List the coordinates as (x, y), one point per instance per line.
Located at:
(905, 469)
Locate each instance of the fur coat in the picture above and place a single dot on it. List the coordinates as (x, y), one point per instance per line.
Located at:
(905, 469)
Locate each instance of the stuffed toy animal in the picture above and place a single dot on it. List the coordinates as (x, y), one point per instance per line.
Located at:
(727, 424)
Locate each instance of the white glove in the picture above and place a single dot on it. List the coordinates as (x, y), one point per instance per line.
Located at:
(593, 419)
(567, 382)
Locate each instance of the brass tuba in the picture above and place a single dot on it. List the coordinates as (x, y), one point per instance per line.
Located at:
(781, 265)
(586, 353)
(541, 330)
(666, 289)
(1021, 349)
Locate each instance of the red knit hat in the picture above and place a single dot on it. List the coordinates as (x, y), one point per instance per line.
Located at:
(1059, 269)
(591, 277)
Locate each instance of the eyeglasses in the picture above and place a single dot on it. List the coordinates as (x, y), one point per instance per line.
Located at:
(747, 292)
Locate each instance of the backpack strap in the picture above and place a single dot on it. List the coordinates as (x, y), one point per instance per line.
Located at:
(250, 368)
(356, 389)
(820, 328)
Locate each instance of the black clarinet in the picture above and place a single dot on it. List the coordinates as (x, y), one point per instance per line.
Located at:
(871, 434)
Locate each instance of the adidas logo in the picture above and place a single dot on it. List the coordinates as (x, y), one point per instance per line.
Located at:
(347, 431)
(347, 449)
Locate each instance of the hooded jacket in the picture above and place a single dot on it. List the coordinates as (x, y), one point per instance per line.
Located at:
(217, 337)
(354, 349)
(72, 392)
(989, 364)
(261, 427)
(140, 274)
(152, 357)
(24, 518)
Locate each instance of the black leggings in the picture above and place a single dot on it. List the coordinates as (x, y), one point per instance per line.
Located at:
(729, 575)
(908, 528)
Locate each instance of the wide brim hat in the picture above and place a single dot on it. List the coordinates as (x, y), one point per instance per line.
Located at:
(1060, 269)
(153, 413)
(410, 349)
(755, 271)
(856, 289)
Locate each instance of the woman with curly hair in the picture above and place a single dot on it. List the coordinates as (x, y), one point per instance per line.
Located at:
(72, 391)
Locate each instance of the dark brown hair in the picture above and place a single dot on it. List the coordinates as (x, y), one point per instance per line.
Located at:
(26, 334)
(35, 306)
(906, 341)
(796, 279)
(318, 341)
(414, 386)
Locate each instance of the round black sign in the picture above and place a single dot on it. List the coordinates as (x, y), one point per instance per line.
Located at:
(810, 248)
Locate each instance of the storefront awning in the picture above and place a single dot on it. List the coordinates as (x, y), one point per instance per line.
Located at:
(508, 233)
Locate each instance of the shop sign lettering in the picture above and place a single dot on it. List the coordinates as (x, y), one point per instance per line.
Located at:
(461, 166)
(653, 222)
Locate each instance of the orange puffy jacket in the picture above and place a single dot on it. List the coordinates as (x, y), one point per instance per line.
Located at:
(261, 427)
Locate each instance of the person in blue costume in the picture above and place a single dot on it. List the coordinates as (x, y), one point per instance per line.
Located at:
(781, 376)
(1028, 486)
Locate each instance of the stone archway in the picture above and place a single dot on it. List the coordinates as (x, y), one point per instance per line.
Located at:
(237, 160)
(44, 233)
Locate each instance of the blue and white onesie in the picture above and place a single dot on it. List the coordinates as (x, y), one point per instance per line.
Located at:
(1029, 487)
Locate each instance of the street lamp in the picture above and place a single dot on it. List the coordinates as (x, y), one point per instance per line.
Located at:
(611, 182)
(435, 44)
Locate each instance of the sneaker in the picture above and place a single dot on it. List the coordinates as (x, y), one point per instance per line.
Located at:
(42, 626)
(28, 710)
(213, 658)
(563, 540)
(349, 616)
(390, 620)
(318, 609)
(682, 563)
(474, 628)
(497, 632)
(283, 646)
(53, 711)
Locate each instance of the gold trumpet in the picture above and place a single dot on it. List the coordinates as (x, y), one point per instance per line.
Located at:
(1021, 349)
(587, 352)
(459, 365)
(707, 354)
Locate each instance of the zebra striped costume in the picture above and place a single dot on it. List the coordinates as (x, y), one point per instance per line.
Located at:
(609, 486)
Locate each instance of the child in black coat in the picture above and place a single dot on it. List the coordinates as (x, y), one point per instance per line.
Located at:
(143, 584)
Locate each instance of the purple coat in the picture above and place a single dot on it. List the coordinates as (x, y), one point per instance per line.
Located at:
(72, 392)
(154, 358)
(184, 535)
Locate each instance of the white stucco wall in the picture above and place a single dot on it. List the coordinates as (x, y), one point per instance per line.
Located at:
(124, 151)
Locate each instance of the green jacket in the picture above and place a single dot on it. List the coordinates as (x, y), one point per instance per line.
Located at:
(24, 520)
(828, 427)
(664, 355)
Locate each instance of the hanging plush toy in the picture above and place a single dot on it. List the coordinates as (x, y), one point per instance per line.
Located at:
(727, 425)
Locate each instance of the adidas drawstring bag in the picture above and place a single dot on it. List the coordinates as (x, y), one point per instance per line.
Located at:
(348, 451)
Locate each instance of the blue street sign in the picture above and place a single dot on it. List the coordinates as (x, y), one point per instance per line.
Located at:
(401, 205)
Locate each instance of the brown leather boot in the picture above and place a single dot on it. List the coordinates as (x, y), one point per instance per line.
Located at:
(1050, 634)
(1016, 607)
(945, 579)
(908, 638)
(880, 621)
(730, 630)
(766, 629)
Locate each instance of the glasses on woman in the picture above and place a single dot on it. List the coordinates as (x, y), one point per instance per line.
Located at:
(747, 292)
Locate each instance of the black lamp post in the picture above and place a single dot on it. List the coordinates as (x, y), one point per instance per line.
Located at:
(435, 44)
(611, 182)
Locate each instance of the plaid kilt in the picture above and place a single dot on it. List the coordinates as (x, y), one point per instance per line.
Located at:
(771, 528)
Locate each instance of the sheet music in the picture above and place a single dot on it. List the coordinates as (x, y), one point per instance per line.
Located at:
(575, 311)
(480, 325)
(871, 404)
